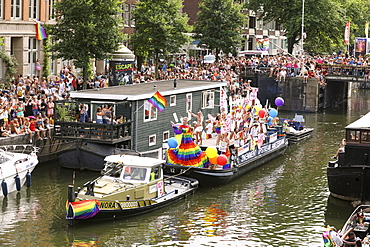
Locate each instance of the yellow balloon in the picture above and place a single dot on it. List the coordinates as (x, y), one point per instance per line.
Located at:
(211, 152)
(178, 138)
(257, 109)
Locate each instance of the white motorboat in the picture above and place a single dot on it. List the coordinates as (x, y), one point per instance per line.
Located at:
(16, 165)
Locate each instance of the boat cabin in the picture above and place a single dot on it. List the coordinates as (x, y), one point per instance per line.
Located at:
(357, 149)
(133, 169)
(126, 177)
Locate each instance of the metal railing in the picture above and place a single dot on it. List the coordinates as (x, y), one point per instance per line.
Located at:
(99, 132)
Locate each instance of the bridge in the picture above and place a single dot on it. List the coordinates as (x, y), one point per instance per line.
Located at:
(309, 96)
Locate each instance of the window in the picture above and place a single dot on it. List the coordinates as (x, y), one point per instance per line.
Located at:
(166, 135)
(16, 9)
(126, 14)
(51, 10)
(131, 16)
(189, 104)
(150, 112)
(173, 100)
(34, 10)
(32, 55)
(252, 22)
(208, 99)
(152, 140)
(1, 9)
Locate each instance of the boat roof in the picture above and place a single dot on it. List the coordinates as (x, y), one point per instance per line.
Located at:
(133, 160)
(140, 91)
(362, 123)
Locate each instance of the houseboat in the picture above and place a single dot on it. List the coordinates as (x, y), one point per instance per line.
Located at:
(139, 128)
(129, 185)
(349, 174)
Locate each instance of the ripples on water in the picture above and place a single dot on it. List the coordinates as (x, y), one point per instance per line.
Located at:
(284, 203)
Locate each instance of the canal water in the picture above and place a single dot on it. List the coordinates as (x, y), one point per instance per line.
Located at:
(284, 203)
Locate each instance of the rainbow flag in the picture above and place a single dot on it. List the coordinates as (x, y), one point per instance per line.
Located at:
(40, 31)
(158, 101)
(82, 209)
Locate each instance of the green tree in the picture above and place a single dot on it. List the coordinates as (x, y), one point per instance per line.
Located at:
(161, 28)
(10, 62)
(85, 30)
(219, 25)
(324, 20)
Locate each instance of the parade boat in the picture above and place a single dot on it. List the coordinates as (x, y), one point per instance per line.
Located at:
(349, 174)
(358, 222)
(213, 166)
(295, 130)
(129, 185)
(16, 165)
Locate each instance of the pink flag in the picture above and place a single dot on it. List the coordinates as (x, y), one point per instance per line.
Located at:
(347, 32)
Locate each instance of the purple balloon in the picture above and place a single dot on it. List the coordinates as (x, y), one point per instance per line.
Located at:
(279, 101)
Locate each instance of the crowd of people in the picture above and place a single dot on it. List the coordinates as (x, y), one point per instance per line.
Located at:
(27, 106)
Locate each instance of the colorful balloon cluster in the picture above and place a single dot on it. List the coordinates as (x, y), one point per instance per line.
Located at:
(214, 158)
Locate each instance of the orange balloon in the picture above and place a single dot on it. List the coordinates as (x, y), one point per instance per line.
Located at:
(213, 160)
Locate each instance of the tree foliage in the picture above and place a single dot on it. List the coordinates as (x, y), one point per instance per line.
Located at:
(324, 20)
(161, 28)
(85, 30)
(219, 25)
(10, 62)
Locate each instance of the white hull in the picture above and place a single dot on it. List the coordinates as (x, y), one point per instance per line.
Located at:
(17, 164)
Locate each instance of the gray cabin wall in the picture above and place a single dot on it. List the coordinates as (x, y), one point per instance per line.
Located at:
(164, 118)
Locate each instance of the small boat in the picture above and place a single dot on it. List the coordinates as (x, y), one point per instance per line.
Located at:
(358, 223)
(295, 130)
(129, 185)
(213, 166)
(16, 165)
(349, 174)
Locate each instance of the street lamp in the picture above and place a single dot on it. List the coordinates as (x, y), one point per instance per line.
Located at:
(302, 35)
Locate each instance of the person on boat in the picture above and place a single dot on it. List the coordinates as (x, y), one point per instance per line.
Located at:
(187, 153)
(349, 238)
(199, 127)
(331, 237)
(218, 125)
(340, 149)
(209, 129)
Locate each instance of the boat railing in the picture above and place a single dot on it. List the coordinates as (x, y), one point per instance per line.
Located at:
(99, 132)
(26, 148)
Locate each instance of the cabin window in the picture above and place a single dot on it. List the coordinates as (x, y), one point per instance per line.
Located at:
(208, 99)
(189, 104)
(173, 100)
(353, 136)
(365, 136)
(134, 173)
(150, 112)
(155, 173)
(166, 135)
(152, 140)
